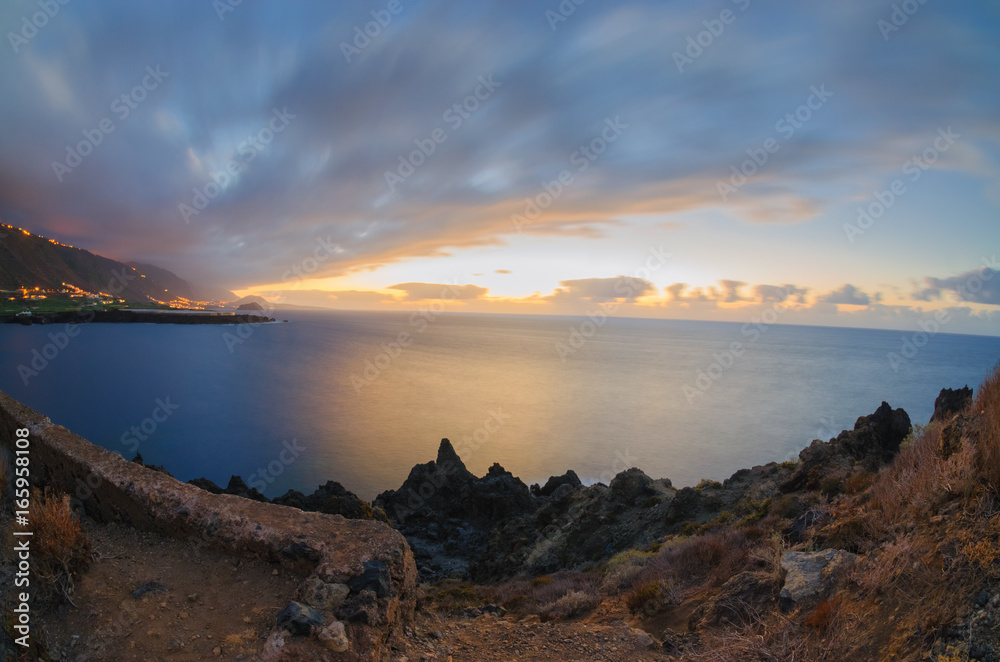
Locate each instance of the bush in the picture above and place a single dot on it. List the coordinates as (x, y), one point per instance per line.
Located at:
(60, 548)
(648, 596)
(831, 486)
(573, 604)
(707, 484)
(787, 506)
(858, 483)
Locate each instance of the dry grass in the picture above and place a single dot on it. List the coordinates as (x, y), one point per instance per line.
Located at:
(60, 548)
(562, 595)
(987, 455)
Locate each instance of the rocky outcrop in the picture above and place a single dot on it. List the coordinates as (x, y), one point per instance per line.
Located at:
(555, 482)
(873, 442)
(333, 499)
(950, 402)
(369, 558)
(446, 512)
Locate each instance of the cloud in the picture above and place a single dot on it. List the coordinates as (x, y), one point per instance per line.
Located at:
(731, 290)
(324, 174)
(769, 293)
(603, 289)
(847, 295)
(974, 286)
(502, 271)
(427, 291)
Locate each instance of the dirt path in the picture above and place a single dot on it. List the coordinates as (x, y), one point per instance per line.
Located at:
(214, 606)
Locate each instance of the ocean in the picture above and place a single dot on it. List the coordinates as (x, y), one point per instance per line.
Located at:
(361, 397)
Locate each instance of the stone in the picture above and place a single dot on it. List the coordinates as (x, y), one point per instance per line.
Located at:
(375, 578)
(809, 575)
(334, 637)
(148, 587)
(298, 618)
(630, 485)
(322, 595)
(555, 482)
(950, 402)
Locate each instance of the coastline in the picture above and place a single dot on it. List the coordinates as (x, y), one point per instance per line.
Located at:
(125, 316)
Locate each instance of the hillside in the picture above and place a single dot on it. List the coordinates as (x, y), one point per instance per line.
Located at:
(28, 261)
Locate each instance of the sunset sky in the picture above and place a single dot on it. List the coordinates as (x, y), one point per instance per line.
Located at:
(523, 157)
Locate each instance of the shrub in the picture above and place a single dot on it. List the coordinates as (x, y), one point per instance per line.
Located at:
(707, 484)
(541, 581)
(649, 596)
(573, 604)
(831, 486)
(823, 615)
(987, 456)
(60, 548)
(787, 506)
(858, 483)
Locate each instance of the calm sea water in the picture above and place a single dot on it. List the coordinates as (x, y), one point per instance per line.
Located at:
(497, 386)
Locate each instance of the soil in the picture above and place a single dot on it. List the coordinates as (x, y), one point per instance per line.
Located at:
(214, 606)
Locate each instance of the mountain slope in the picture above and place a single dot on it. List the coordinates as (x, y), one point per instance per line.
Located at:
(28, 260)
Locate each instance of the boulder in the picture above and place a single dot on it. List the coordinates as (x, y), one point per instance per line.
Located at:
(298, 618)
(630, 485)
(810, 575)
(950, 402)
(684, 506)
(555, 482)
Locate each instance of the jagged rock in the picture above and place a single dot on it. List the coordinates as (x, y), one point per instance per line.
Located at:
(155, 467)
(684, 506)
(206, 485)
(630, 485)
(876, 438)
(322, 595)
(333, 499)
(950, 402)
(239, 488)
(555, 482)
(298, 618)
(874, 441)
(809, 575)
(362, 608)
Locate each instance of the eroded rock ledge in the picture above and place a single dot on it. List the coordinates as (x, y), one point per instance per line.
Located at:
(359, 576)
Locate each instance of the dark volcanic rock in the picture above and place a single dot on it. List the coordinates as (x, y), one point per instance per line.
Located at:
(333, 499)
(253, 305)
(873, 442)
(555, 482)
(684, 506)
(446, 512)
(206, 485)
(239, 488)
(375, 578)
(630, 485)
(950, 402)
(298, 618)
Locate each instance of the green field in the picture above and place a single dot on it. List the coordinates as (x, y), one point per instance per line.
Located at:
(57, 304)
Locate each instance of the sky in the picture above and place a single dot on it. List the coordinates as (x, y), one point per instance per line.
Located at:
(837, 163)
